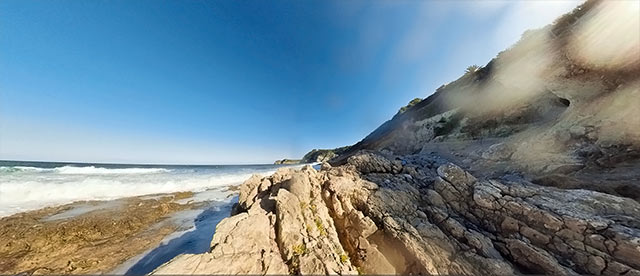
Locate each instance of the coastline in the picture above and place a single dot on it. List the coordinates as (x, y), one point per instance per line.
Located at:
(416, 214)
(131, 235)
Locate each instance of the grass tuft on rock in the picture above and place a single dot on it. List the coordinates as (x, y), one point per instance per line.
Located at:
(299, 249)
(344, 258)
(320, 226)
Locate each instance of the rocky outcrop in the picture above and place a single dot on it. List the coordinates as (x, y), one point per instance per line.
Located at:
(417, 214)
(282, 226)
(287, 161)
(323, 155)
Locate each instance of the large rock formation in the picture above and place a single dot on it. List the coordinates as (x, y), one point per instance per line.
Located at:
(418, 214)
(529, 164)
(282, 226)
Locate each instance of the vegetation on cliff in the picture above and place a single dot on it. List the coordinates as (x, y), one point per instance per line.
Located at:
(323, 155)
(409, 105)
(287, 161)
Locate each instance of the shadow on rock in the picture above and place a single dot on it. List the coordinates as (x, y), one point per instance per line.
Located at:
(193, 242)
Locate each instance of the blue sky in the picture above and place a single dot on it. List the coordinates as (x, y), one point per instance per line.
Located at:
(219, 82)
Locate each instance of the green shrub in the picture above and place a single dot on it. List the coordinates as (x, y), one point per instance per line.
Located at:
(471, 69)
(409, 105)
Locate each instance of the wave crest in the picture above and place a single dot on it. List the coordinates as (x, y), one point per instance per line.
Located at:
(95, 170)
(89, 170)
(30, 191)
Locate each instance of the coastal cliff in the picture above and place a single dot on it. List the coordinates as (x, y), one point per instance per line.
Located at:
(315, 156)
(287, 162)
(527, 165)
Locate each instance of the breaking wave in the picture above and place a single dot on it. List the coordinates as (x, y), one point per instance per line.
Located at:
(83, 170)
(24, 188)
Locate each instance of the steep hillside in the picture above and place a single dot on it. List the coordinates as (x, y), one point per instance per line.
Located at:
(559, 107)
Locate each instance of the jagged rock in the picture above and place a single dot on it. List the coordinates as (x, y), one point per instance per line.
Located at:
(286, 229)
(370, 162)
(498, 152)
(299, 186)
(248, 191)
(368, 216)
(325, 166)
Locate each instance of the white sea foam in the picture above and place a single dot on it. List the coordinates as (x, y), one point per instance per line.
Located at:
(94, 170)
(14, 169)
(24, 168)
(83, 170)
(31, 188)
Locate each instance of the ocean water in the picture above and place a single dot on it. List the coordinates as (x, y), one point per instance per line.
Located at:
(28, 186)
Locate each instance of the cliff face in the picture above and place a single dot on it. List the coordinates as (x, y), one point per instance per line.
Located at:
(529, 164)
(559, 107)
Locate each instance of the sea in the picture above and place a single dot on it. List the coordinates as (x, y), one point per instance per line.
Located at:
(26, 186)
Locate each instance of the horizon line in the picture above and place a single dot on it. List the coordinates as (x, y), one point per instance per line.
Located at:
(144, 164)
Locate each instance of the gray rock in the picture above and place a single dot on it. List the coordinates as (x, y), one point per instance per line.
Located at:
(498, 152)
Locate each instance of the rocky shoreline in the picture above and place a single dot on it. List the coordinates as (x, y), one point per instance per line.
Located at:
(417, 214)
(95, 236)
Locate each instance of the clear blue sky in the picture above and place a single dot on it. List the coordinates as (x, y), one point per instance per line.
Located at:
(230, 81)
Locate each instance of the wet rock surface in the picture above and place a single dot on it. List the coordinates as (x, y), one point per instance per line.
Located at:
(85, 238)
